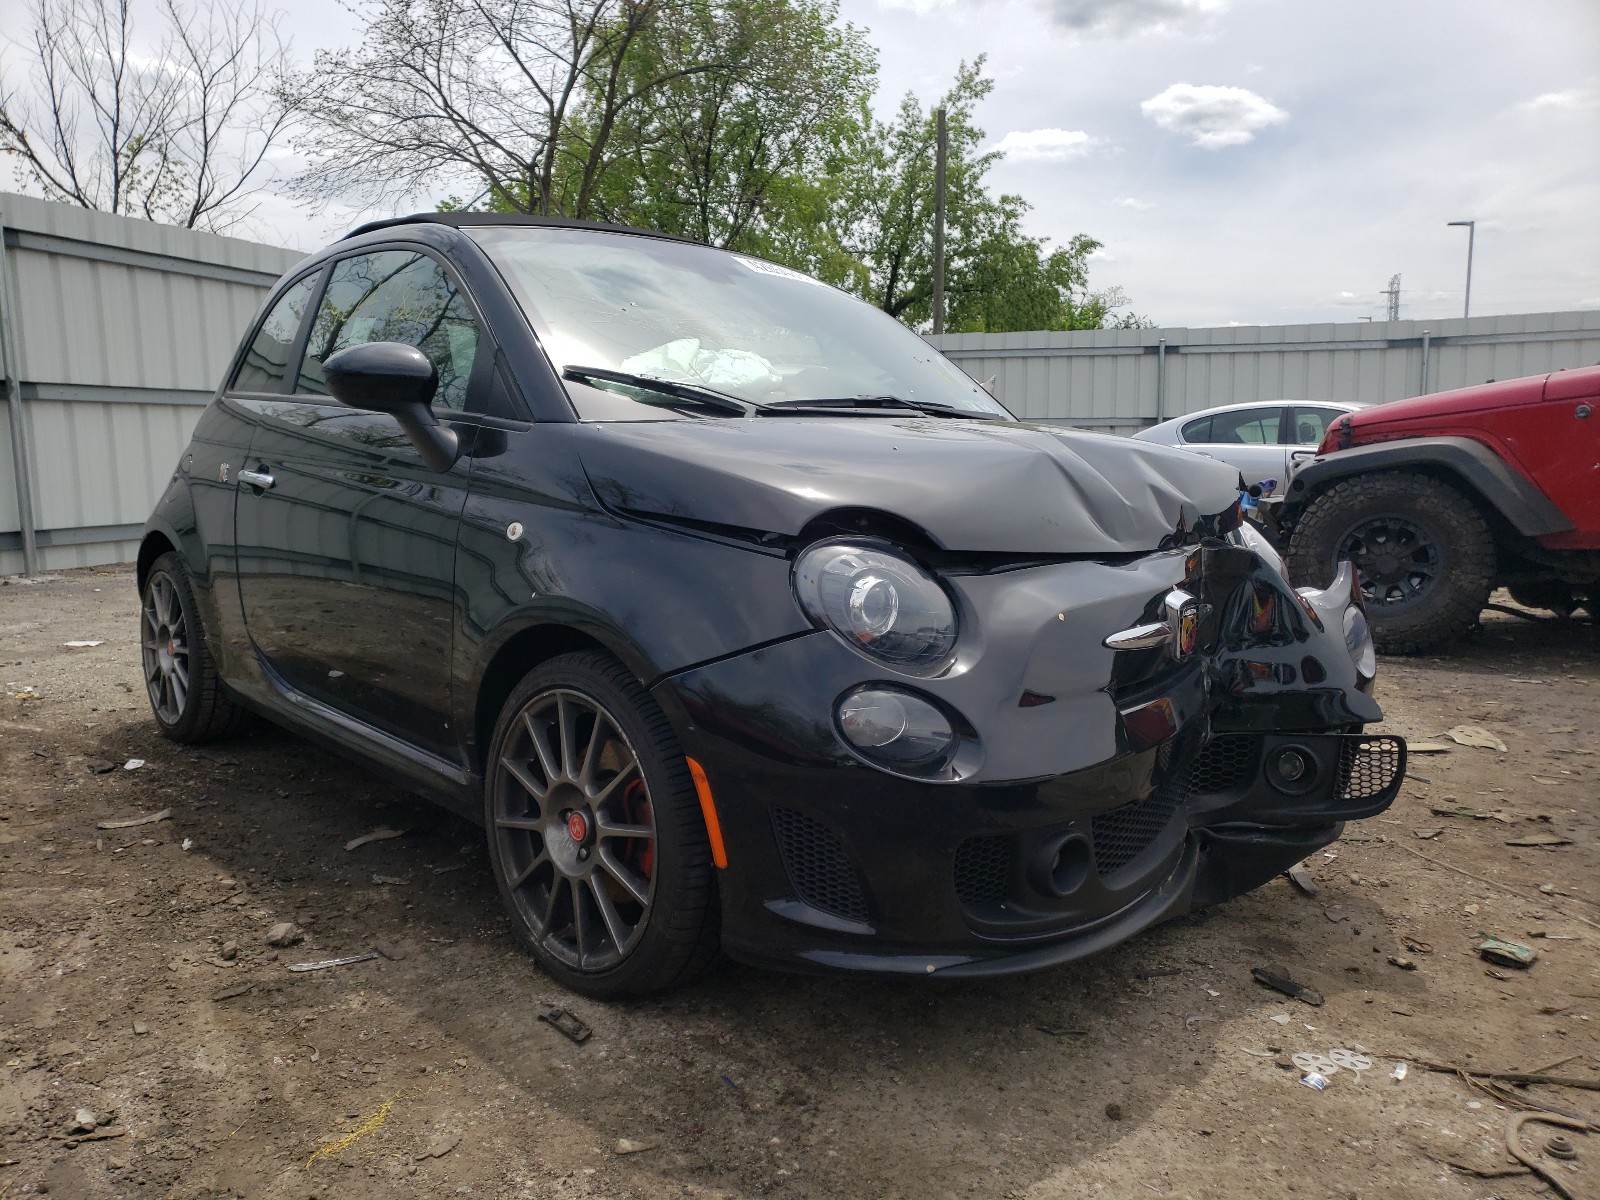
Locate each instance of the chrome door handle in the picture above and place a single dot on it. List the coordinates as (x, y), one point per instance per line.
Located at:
(258, 479)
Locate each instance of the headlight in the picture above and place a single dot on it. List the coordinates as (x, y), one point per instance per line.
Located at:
(896, 728)
(884, 605)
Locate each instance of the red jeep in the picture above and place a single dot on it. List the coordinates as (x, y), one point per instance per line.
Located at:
(1437, 500)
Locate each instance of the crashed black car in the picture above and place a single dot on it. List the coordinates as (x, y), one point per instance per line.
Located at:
(740, 617)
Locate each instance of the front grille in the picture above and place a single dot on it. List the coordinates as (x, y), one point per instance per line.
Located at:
(1227, 762)
(821, 873)
(983, 870)
(1122, 834)
(1368, 767)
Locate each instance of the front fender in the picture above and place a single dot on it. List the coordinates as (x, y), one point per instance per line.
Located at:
(1528, 510)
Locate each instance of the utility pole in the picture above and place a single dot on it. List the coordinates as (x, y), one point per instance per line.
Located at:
(1393, 292)
(940, 154)
(1472, 233)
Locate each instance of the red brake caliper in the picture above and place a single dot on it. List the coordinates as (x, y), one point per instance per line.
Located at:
(639, 853)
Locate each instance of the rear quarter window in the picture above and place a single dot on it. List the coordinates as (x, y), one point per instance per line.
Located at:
(266, 361)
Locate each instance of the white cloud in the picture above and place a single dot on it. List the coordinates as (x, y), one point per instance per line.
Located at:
(920, 7)
(1045, 145)
(1212, 116)
(1573, 99)
(1124, 18)
(1102, 255)
(1136, 204)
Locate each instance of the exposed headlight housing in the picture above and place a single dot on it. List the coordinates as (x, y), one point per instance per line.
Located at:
(1358, 639)
(881, 603)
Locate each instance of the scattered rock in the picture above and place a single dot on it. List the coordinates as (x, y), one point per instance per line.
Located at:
(140, 1029)
(1114, 1111)
(230, 950)
(100, 766)
(228, 993)
(83, 1121)
(1405, 964)
(629, 1146)
(284, 933)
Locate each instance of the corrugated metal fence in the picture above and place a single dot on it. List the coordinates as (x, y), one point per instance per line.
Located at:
(1121, 380)
(113, 333)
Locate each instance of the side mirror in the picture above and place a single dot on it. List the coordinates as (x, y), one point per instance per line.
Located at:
(394, 378)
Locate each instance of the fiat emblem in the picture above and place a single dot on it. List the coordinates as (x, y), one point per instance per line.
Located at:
(577, 826)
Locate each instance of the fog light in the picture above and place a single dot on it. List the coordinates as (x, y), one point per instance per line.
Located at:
(895, 728)
(1292, 770)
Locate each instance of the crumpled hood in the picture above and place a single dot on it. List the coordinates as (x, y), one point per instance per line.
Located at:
(971, 486)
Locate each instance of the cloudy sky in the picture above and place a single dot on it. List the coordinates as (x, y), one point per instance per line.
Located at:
(1263, 161)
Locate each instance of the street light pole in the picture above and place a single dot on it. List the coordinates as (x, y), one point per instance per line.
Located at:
(1472, 231)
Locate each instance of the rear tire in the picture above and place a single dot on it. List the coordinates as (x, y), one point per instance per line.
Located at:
(1423, 551)
(180, 675)
(595, 832)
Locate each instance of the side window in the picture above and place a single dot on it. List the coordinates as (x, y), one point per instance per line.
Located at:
(1249, 426)
(266, 362)
(1198, 431)
(1311, 425)
(395, 296)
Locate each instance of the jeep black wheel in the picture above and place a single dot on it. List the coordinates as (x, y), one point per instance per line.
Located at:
(180, 675)
(1423, 552)
(595, 832)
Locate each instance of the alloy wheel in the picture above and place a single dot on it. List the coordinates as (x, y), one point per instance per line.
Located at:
(164, 646)
(1397, 561)
(575, 829)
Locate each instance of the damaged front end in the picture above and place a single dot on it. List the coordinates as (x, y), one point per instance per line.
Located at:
(1139, 735)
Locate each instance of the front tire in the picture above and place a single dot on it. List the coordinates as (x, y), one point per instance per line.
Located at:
(595, 832)
(180, 673)
(1424, 554)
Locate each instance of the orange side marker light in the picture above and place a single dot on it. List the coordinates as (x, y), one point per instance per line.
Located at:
(708, 809)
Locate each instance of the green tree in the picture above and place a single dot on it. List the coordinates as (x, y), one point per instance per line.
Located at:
(997, 278)
(740, 157)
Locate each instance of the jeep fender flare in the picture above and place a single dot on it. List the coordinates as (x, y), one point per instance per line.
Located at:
(1507, 492)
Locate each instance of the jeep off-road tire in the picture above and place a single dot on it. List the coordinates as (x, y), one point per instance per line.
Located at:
(186, 697)
(596, 833)
(1424, 552)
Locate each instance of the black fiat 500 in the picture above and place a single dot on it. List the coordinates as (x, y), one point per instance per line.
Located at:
(740, 617)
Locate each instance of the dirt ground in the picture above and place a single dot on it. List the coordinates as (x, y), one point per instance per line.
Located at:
(135, 981)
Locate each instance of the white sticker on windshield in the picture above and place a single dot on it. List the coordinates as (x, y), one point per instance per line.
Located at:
(765, 268)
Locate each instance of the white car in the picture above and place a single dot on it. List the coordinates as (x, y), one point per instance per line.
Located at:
(1257, 438)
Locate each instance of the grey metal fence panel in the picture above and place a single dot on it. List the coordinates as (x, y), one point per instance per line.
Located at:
(115, 332)
(118, 332)
(1122, 380)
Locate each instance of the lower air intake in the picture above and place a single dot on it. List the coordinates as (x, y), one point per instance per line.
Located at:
(821, 873)
(1122, 834)
(983, 870)
(1367, 767)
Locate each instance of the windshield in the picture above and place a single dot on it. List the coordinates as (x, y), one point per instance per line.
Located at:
(655, 309)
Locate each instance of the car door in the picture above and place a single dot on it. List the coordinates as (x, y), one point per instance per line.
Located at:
(346, 537)
(1244, 438)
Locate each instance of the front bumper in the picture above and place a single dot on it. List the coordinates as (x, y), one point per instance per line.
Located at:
(1084, 822)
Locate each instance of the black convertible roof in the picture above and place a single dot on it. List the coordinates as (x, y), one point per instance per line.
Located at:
(458, 220)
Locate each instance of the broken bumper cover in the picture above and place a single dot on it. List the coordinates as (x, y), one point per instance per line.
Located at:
(1245, 759)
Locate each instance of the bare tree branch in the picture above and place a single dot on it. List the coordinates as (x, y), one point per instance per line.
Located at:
(176, 130)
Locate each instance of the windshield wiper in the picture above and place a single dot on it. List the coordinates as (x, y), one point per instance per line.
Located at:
(880, 402)
(691, 393)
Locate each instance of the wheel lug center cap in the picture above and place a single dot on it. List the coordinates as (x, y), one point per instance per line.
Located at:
(577, 827)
